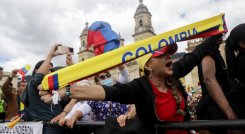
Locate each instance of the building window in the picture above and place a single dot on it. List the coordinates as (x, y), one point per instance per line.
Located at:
(141, 23)
(83, 43)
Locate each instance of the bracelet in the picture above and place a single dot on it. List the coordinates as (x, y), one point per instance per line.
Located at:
(68, 91)
(65, 112)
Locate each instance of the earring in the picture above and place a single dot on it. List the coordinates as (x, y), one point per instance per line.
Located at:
(150, 73)
(150, 70)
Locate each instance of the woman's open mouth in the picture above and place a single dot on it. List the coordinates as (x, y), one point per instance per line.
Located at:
(169, 64)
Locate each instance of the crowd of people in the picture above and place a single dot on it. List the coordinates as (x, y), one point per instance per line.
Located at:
(135, 106)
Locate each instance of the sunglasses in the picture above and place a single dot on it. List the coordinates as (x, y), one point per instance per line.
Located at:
(102, 77)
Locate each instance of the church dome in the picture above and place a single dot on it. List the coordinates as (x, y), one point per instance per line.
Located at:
(142, 9)
(85, 30)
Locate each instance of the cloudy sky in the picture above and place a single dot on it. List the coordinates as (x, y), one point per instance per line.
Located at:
(28, 28)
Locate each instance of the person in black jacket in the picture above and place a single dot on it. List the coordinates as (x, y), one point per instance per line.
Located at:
(223, 99)
(157, 92)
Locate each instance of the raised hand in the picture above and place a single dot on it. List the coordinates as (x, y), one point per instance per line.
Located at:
(69, 60)
(210, 43)
(53, 52)
(14, 73)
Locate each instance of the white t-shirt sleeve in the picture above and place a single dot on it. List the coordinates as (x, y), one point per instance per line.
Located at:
(84, 108)
(123, 76)
(73, 110)
(68, 116)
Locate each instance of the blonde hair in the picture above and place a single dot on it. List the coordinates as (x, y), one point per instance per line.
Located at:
(171, 82)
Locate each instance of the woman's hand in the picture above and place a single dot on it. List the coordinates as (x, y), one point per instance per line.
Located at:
(69, 60)
(47, 98)
(62, 121)
(122, 120)
(70, 122)
(58, 117)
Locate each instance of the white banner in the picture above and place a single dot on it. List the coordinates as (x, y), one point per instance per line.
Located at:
(22, 128)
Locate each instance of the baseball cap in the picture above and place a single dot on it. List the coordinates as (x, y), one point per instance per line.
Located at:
(171, 49)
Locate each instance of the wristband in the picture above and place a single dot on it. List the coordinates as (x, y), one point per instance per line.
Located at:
(65, 112)
(68, 91)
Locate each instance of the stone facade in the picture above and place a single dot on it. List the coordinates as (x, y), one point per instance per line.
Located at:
(142, 30)
(83, 53)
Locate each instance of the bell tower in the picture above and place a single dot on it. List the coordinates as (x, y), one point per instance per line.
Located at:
(83, 53)
(143, 29)
(143, 26)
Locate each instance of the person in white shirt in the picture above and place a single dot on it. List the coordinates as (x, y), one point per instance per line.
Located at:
(80, 110)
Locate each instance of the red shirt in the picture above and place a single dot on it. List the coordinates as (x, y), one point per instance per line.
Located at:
(166, 107)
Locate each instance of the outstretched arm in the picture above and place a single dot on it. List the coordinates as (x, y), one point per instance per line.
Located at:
(190, 60)
(5, 87)
(45, 67)
(93, 92)
(123, 93)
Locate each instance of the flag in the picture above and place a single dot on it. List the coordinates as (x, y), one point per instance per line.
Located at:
(208, 27)
(102, 38)
(23, 71)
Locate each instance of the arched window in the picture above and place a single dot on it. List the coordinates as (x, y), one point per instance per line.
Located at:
(83, 43)
(141, 23)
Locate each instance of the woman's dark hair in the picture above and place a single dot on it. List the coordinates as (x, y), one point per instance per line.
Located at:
(232, 44)
(37, 66)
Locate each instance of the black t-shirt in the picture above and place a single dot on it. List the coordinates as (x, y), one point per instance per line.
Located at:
(35, 107)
